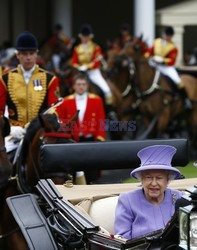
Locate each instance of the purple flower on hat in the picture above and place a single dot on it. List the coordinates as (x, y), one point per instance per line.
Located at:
(156, 157)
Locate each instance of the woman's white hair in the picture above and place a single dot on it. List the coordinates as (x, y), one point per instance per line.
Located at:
(171, 175)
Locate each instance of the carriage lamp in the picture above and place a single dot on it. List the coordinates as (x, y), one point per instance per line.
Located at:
(188, 223)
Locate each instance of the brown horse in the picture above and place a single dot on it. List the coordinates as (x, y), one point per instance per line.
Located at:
(190, 85)
(158, 102)
(120, 70)
(43, 129)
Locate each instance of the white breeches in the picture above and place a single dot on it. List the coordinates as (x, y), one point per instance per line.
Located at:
(96, 77)
(56, 59)
(6, 113)
(169, 71)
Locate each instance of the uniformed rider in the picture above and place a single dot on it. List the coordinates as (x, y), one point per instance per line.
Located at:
(26, 90)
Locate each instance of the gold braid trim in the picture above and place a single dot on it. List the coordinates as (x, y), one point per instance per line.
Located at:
(85, 55)
(91, 95)
(70, 97)
(163, 50)
(26, 99)
(51, 82)
(17, 123)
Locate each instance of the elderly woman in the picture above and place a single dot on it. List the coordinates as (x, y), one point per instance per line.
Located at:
(150, 208)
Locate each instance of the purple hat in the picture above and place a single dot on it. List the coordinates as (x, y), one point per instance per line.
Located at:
(156, 157)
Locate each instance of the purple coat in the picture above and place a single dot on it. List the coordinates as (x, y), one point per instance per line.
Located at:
(136, 216)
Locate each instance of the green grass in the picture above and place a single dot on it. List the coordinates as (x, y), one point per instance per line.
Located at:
(189, 171)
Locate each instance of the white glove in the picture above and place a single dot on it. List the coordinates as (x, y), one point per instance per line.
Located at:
(17, 132)
(83, 68)
(157, 59)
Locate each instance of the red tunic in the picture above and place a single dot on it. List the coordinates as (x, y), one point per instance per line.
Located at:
(93, 121)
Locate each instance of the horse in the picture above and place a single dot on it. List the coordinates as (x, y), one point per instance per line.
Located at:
(8, 188)
(44, 129)
(159, 102)
(5, 164)
(60, 50)
(120, 70)
(190, 85)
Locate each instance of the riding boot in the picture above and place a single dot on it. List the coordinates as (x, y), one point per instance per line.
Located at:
(11, 155)
(187, 102)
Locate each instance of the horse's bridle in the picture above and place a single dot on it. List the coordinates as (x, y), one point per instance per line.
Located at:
(131, 70)
(154, 86)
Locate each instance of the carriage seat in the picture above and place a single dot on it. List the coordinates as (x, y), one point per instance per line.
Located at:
(101, 211)
(106, 208)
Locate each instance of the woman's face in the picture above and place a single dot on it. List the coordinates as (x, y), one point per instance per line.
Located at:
(154, 183)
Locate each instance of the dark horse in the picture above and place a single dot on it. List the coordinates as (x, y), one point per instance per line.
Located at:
(5, 165)
(43, 129)
(159, 101)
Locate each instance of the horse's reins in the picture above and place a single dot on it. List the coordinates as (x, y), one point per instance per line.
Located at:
(131, 68)
(3, 236)
(154, 86)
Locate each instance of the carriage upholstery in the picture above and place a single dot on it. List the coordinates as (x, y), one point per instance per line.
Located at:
(104, 155)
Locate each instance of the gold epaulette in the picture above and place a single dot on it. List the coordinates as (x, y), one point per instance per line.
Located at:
(91, 95)
(70, 97)
(100, 138)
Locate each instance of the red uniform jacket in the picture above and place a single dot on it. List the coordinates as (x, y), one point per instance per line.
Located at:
(93, 121)
(168, 51)
(26, 101)
(89, 57)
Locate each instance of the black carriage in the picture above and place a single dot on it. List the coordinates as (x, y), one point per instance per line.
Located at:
(54, 221)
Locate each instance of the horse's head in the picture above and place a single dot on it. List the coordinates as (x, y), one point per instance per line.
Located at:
(135, 49)
(5, 165)
(44, 129)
